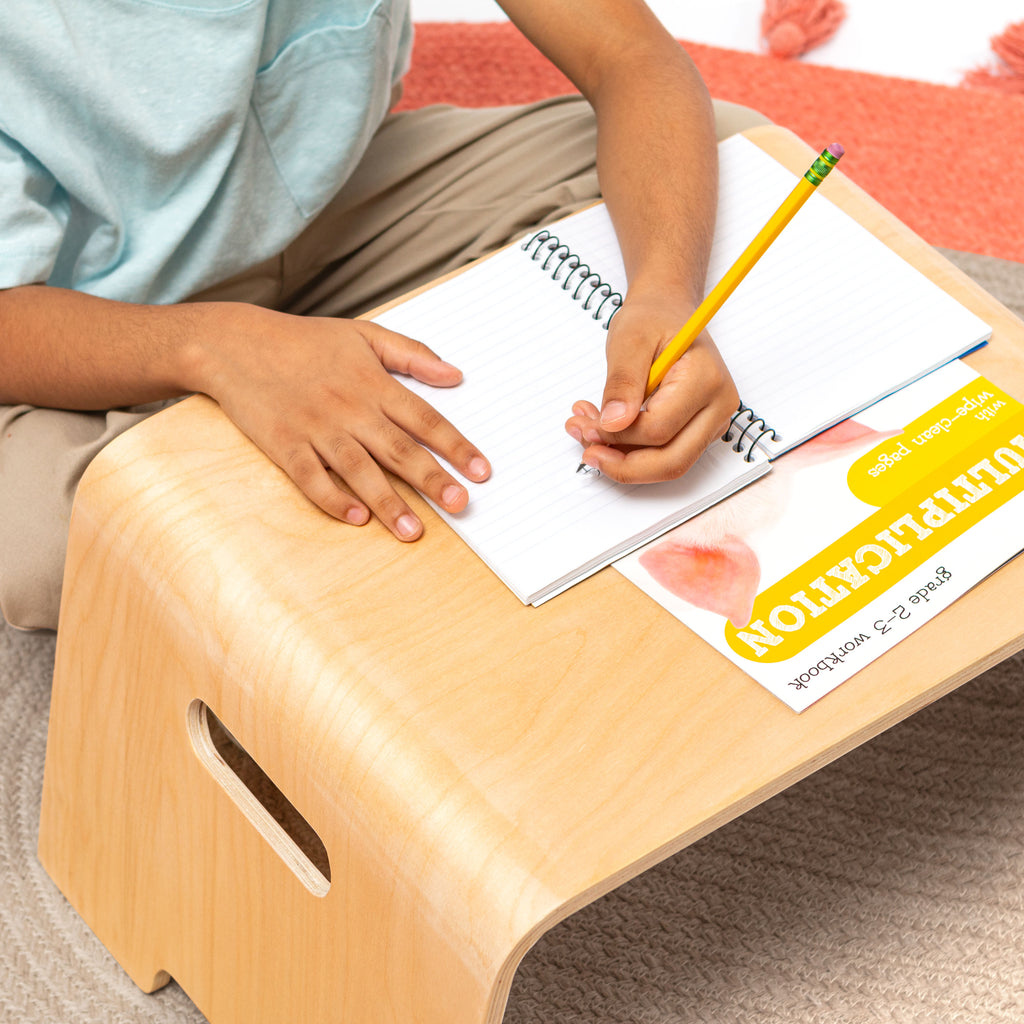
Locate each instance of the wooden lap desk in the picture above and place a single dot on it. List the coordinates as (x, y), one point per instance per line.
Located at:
(476, 770)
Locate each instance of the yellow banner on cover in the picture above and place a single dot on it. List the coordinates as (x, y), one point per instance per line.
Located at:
(946, 472)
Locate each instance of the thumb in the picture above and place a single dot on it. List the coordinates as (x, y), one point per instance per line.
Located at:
(403, 354)
(629, 365)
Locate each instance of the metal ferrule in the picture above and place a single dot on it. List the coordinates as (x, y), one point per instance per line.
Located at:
(818, 171)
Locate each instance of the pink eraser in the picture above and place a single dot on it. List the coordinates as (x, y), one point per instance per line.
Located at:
(836, 150)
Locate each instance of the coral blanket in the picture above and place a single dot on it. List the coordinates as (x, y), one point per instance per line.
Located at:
(947, 161)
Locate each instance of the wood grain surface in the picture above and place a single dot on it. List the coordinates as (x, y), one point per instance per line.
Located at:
(475, 769)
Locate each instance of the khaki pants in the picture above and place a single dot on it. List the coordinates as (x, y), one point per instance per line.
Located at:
(437, 188)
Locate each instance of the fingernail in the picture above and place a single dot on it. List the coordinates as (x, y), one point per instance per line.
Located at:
(407, 525)
(478, 468)
(452, 494)
(575, 433)
(356, 516)
(591, 460)
(613, 411)
(592, 436)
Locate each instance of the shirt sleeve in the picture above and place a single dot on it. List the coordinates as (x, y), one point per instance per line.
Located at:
(32, 217)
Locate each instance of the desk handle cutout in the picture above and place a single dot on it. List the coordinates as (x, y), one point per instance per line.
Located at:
(255, 794)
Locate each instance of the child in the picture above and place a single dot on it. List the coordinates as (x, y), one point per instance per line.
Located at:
(196, 198)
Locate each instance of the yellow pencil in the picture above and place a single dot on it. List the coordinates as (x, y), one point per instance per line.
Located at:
(706, 310)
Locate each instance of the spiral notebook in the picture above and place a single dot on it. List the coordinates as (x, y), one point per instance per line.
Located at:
(829, 321)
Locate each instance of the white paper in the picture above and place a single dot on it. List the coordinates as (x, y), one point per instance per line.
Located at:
(829, 320)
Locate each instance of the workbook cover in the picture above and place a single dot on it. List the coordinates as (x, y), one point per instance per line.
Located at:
(854, 540)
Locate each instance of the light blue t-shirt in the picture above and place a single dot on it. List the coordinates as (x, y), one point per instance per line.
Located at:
(149, 148)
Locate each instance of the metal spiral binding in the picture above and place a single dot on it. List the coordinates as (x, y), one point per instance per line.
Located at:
(587, 286)
(754, 424)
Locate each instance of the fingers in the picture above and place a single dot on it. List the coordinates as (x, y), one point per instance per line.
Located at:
(629, 365)
(415, 416)
(422, 423)
(316, 396)
(396, 450)
(350, 485)
(354, 468)
(403, 354)
(311, 477)
(645, 464)
(391, 439)
(690, 409)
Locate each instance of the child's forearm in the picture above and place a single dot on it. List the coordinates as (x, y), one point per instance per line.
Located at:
(658, 167)
(314, 393)
(69, 350)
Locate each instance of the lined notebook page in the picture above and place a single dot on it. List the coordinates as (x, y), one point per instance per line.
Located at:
(830, 319)
(528, 351)
(827, 322)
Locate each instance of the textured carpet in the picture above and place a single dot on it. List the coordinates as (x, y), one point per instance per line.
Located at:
(888, 887)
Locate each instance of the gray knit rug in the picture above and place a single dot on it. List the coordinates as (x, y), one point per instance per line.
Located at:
(887, 887)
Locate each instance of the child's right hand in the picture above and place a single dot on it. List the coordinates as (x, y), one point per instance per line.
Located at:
(637, 443)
